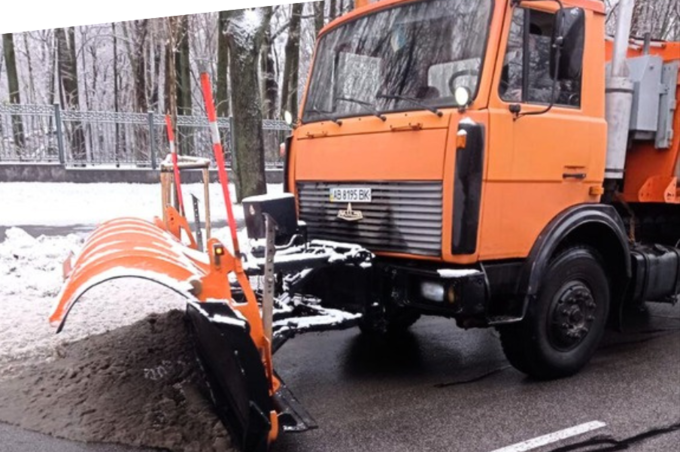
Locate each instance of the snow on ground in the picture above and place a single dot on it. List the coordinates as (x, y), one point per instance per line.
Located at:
(31, 267)
(30, 279)
(63, 204)
(31, 354)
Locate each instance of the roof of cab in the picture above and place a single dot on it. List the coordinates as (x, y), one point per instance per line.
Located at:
(594, 5)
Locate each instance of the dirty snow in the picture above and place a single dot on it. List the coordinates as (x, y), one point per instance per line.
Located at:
(120, 371)
(63, 204)
(31, 278)
(127, 393)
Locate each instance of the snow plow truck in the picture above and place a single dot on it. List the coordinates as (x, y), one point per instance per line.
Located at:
(502, 163)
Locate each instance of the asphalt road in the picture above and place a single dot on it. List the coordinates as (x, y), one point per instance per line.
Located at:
(440, 388)
(444, 389)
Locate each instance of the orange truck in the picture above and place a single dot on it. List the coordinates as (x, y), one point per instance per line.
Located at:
(508, 164)
(499, 162)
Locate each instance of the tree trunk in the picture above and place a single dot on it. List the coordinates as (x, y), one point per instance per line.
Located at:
(13, 85)
(318, 16)
(53, 79)
(183, 67)
(270, 85)
(289, 89)
(116, 106)
(139, 65)
(244, 50)
(154, 98)
(31, 78)
(333, 10)
(170, 74)
(222, 97)
(183, 78)
(68, 84)
(640, 24)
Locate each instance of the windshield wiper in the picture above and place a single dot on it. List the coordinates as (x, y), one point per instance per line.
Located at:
(325, 112)
(368, 105)
(413, 100)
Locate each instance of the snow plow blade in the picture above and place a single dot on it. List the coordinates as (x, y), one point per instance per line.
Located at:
(234, 372)
(130, 247)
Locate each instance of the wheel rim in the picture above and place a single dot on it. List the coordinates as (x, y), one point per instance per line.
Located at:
(571, 316)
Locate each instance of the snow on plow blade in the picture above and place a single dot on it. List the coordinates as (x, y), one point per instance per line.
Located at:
(130, 247)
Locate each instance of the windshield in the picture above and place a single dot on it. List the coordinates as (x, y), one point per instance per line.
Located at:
(403, 58)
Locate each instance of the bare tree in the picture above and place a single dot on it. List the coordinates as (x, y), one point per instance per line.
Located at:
(270, 85)
(289, 86)
(246, 31)
(116, 107)
(183, 67)
(222, 97)
(68, 85)
(318, 16)
(13, 85)
(333, 9)
(31, 80)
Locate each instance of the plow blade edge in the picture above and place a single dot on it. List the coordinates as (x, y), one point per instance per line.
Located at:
(234, 372)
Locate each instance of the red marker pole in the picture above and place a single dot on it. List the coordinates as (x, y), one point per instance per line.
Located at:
(175, 164)
(219, 158)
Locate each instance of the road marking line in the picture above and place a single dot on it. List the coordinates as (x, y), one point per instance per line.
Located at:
(552, 437)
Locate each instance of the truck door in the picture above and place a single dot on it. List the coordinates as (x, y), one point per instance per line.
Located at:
(541, 160)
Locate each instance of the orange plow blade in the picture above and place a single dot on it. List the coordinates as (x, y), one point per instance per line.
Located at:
(226, 327)
(130, 247)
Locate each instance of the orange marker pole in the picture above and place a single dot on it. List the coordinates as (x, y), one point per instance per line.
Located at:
(175, 164)
(219, 158)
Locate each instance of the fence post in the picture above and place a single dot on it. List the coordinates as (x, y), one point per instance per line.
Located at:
(152, 141)
(60, 134)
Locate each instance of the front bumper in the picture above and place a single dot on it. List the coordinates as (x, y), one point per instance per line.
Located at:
(465, 289)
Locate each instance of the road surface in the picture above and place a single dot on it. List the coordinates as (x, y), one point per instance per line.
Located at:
(440, 388)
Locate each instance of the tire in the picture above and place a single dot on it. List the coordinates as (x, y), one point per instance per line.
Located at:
(390, 319)
(565, 324)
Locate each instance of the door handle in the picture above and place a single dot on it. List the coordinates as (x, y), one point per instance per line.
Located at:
(576, 172)
(577, 176)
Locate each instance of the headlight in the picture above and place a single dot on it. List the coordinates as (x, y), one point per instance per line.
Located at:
(432, 291)
(462, 96)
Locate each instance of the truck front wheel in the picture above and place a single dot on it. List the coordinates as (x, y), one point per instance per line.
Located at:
(564, 325)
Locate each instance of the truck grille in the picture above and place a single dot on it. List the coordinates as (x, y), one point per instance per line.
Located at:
(403, 217)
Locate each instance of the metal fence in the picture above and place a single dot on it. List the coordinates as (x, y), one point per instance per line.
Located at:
(44, 133)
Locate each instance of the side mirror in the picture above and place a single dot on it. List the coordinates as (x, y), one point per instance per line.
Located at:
(568, 38)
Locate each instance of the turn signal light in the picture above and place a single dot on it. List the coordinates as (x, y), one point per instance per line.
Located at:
(451, 294)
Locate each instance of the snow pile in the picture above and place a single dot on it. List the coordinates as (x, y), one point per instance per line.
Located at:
(136, 385)
(30, 279)
(122, 370)
(32, 266)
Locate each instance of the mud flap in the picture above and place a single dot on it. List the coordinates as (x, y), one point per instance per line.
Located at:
(234, 372)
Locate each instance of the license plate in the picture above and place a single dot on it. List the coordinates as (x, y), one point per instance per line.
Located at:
(350, 194)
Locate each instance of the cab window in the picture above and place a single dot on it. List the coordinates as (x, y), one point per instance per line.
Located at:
(526, 76)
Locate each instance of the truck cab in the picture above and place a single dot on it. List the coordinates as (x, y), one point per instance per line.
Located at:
(465, 144)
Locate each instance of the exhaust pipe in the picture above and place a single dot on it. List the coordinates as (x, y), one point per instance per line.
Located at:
(619, 95)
